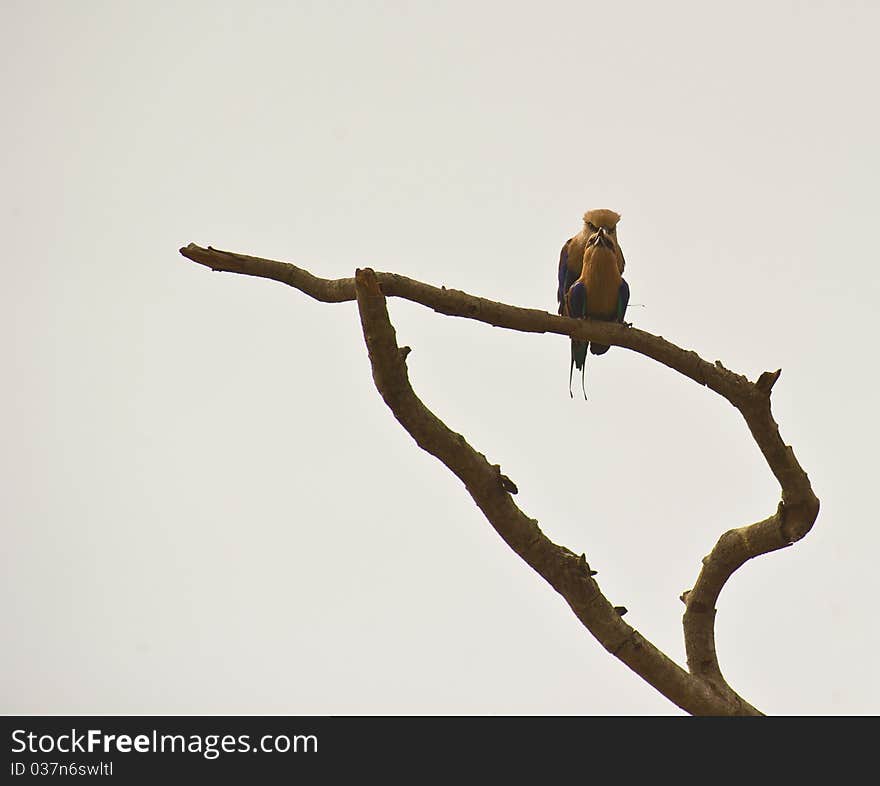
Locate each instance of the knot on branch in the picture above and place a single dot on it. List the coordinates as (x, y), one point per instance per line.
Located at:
(797, 518)
(505, 482)
(585, 566)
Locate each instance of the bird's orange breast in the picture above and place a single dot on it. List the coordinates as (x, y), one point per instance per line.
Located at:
(601, 277)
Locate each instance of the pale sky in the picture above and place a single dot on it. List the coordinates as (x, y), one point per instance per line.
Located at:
(207, 507)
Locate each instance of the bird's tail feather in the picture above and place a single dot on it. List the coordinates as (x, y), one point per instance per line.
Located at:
(578, 360)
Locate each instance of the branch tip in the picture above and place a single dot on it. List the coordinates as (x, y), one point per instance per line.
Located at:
(767, 380)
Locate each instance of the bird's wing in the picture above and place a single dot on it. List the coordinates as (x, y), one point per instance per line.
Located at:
(568, 273)
(622, 300)
(577, 300)
(562, 283)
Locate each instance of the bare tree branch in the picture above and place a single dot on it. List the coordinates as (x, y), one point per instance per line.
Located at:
(455, 303)
(565, 572)
(703, 690)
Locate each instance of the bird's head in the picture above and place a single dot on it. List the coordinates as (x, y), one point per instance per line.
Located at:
(600, 230)
(600, 227)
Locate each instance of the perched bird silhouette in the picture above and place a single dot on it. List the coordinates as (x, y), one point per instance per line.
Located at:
(591, 285)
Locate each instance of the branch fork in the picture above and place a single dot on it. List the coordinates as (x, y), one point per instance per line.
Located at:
(701, 689)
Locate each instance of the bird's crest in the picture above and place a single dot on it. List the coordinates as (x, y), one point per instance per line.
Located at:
(607, 219)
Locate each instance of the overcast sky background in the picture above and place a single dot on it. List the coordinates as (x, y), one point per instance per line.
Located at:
(206, 506)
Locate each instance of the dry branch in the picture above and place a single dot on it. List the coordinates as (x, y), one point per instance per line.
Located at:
(703, 689)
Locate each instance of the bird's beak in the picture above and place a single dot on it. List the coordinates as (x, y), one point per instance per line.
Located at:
(600, 238)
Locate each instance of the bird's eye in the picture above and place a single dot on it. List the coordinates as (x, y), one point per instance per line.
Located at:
(591, 226)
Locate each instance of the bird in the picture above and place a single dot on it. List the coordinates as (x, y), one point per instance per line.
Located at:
(591, 283)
